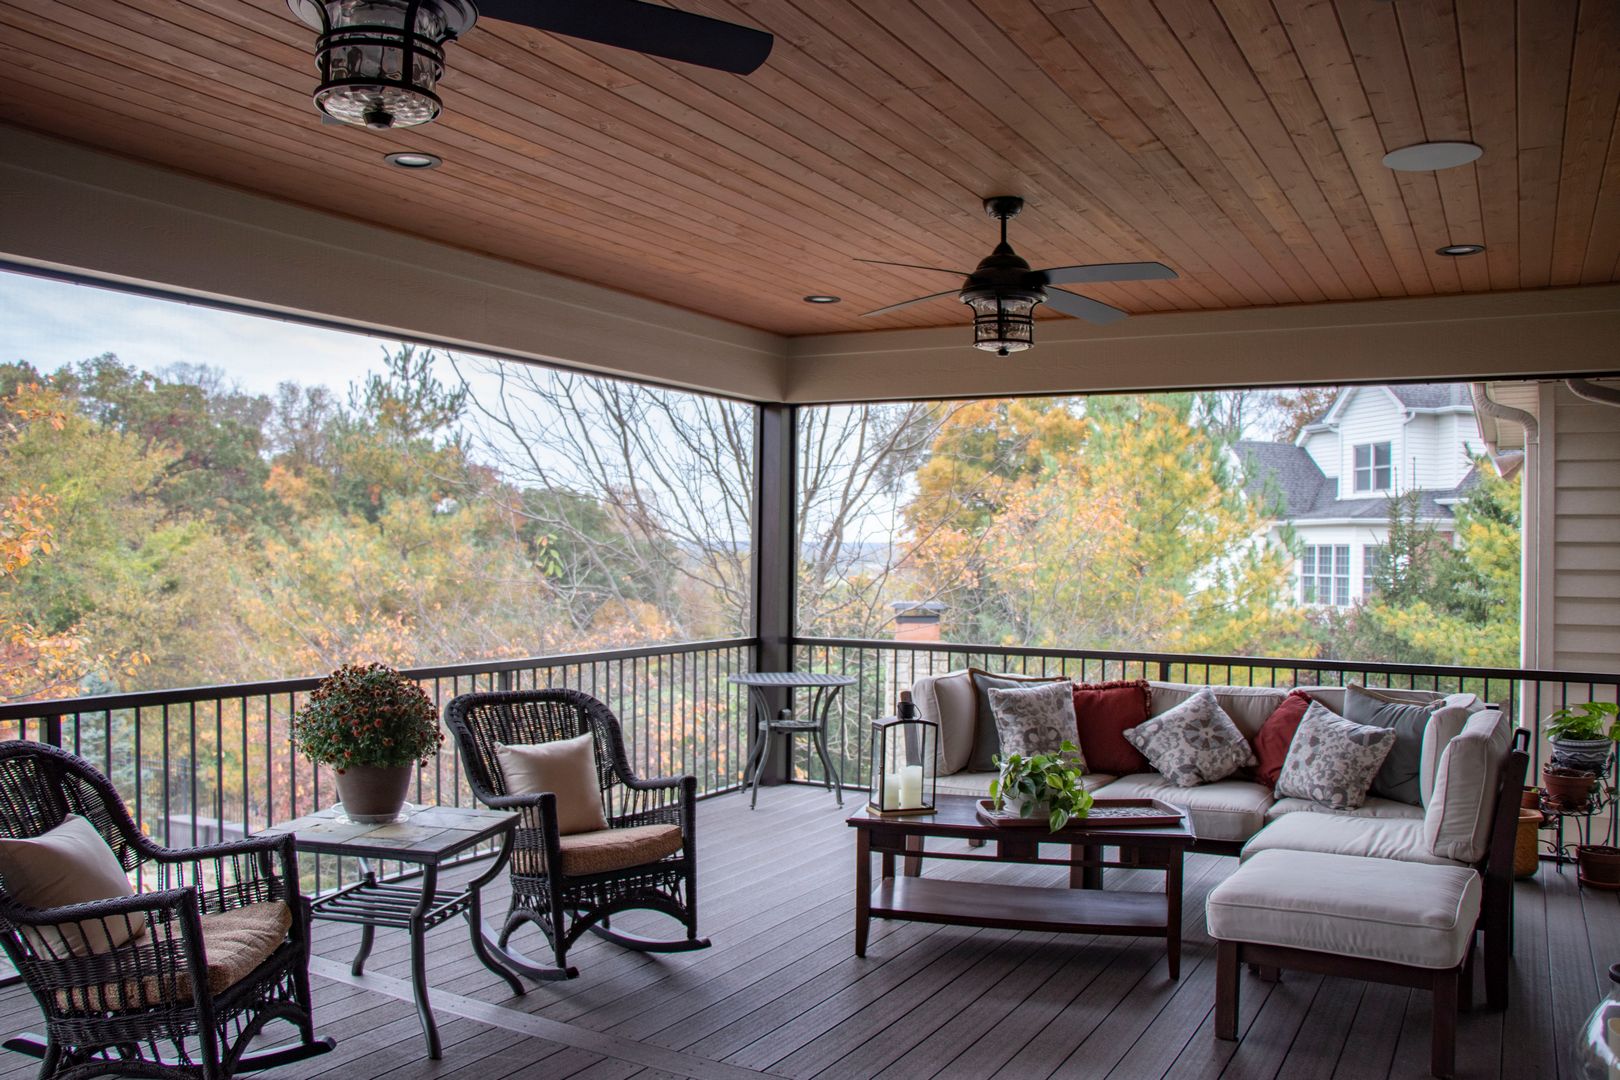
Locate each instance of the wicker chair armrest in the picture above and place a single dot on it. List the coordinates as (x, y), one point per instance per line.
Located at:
(164, 902)
(223, 850)
(512, 802)
(261, 868)
(637, 784)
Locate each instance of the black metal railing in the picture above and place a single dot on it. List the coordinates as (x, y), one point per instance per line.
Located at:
(883, 668)
(214, 763)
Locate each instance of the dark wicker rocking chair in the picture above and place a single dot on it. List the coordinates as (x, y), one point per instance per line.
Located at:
(563, 904)
(153, 1006)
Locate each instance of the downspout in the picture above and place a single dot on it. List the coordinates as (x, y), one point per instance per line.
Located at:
(1531, 539)
(1591, 391)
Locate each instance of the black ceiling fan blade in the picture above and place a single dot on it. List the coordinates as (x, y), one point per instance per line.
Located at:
(646, 28)
(1082, 275)
(908, 303)
(914, 266)
(1083, 307)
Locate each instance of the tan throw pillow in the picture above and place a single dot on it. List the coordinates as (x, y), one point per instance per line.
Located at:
(70, 864)
(566, 767)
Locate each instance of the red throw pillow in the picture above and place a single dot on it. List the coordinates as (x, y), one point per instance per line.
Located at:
(1272, 740)
(1103, 711)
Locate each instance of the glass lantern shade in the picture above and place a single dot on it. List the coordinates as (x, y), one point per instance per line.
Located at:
(1597, 1051)
(904, 765)
(1003, 320)
(380, 60)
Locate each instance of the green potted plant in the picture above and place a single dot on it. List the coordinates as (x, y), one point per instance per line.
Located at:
(1045, 785)
(1583, 735)
(372, 726)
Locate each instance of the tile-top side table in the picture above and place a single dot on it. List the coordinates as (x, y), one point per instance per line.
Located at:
(427, 836)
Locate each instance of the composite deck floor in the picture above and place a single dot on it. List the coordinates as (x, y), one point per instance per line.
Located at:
(781, 993)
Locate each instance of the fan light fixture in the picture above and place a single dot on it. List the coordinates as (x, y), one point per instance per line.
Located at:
(380, 60)
(1004, 319)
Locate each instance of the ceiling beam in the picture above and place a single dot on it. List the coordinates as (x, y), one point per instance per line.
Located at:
(1445, 338)
(74, 210)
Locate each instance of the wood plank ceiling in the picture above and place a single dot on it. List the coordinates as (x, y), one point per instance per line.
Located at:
(1237, 140)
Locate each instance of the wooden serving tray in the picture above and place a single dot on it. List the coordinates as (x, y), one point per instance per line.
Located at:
(1105, 814)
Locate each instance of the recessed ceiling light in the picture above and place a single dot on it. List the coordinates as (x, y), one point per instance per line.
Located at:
(412, 159)
(1458, 250)
(1430, 156)
(819, 299)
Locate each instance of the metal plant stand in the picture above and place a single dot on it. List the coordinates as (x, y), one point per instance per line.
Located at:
(1554, 815)
(427, 836)
(824, 690)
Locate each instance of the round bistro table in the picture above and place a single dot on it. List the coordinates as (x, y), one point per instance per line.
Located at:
(824, 690)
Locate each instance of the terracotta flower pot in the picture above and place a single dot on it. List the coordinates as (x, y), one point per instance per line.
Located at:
(373, 794)
(1531, 799)
(1571, 789)
(1599, 866)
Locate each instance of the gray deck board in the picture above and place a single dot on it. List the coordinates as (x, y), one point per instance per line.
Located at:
(782, 993)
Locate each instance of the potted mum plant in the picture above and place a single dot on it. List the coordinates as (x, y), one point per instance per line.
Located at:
(372, 726)
(1044, 785)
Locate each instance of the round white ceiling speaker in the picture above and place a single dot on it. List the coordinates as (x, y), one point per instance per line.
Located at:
(1430, 156)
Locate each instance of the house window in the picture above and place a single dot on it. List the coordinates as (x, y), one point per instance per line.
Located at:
(1373, 468)
(1372, 564)
(1324, 574)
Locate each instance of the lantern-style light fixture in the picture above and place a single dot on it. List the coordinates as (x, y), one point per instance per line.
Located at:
(1003, 319)
(380, 60)
(905, 761)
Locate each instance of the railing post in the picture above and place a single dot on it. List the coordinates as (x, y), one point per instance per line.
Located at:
(52, 729)
(775, 542)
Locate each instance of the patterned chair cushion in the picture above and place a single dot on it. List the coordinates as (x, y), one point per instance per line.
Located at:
(1333, 760)
(606, 850)
(1193, 743)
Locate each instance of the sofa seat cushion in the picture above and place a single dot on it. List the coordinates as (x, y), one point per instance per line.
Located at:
(1224, 810)
(235, 942)
(1374, 807)
(607, 850)
(1338, 834)
(977, 784)
(1376, 909)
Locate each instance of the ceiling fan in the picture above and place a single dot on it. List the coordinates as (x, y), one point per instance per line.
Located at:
(1003, 290)
(379, 60)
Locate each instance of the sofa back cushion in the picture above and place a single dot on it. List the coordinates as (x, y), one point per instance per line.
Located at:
(986, 739)
(949, 701)
(1446, 720)
(1457, 823)
(1248, 706)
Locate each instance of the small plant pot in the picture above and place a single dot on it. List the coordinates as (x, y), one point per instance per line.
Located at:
(1530, 799)
(1568, 789)
(1599, 866)
(373, 794)
(1589, 755)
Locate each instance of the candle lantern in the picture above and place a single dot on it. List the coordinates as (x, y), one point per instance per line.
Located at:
(904, 761)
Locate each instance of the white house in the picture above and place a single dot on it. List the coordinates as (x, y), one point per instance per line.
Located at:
(1334, 482)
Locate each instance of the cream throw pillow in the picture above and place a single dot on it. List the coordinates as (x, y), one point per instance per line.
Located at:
(566, 767)
(70, 864)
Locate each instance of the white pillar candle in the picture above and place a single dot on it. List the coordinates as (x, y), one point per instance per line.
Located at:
(891, 791)
(911, 787)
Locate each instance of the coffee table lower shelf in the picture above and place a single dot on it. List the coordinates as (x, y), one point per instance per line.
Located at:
(1021, 907)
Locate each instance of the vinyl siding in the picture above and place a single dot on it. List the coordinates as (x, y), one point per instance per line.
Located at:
(1586, 533)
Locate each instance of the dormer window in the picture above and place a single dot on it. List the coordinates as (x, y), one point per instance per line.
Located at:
(1374, 469)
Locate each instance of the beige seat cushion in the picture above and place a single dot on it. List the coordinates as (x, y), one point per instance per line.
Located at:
(977, 784)
(235, 943)
(70, 864)
(1374, 807)
(1373, 838)
(607, 850)
(566, 767)
(1458, 821)
(950, 701)
(1224, 810)
(1377, 909)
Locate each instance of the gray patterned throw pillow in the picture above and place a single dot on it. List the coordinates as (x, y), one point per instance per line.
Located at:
(1193, 743)
(1332, 761)
(1035, 719)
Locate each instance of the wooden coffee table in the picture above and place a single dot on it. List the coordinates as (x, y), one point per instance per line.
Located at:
(1072, 910)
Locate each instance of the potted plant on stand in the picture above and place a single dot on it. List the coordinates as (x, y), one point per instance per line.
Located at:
(1583, 736)
(1043, 785)
(372, 726)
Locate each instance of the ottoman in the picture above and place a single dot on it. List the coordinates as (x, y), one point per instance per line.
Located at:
(1381, 920)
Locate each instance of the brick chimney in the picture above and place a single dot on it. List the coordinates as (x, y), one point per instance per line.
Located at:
(917, 620)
